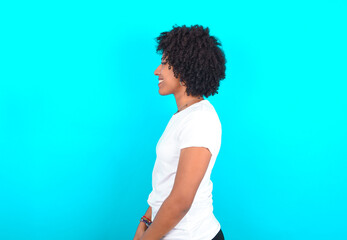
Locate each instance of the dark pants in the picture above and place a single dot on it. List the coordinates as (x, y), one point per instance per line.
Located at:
(219, 236)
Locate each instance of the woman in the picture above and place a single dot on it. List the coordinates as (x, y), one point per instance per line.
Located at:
(180, 204)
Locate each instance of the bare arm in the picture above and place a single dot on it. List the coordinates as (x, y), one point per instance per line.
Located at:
(148, 213)
(191, 169)
(142, 226)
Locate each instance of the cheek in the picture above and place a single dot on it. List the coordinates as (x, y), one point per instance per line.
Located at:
(171, 75)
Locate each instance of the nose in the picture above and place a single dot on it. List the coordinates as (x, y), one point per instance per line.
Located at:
(158, 70)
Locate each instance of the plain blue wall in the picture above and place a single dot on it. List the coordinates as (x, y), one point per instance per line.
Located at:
(80, 116)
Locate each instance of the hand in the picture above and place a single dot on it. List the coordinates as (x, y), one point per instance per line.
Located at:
(140, 231)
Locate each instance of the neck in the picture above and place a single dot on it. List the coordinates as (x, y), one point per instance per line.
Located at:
(185, 101)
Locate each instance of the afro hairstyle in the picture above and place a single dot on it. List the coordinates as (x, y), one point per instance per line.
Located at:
(195, 56)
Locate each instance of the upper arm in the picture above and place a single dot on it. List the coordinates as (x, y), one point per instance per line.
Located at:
(198, 138)
(192, 166)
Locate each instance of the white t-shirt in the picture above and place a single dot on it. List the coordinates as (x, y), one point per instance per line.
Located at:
(195, 126)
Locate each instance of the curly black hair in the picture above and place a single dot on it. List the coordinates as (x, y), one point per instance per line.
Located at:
(195, 56)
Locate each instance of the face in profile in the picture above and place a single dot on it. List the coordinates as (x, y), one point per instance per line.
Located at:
(168, 83)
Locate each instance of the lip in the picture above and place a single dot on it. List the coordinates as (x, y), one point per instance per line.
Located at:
(160, 83)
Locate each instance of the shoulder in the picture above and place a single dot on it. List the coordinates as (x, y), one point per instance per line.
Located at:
(206, 115)
(202, 119)
(200, 128)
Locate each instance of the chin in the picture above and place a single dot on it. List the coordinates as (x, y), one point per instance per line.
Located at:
(163, 93)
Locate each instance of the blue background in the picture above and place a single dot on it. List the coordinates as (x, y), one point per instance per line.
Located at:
(80, 116)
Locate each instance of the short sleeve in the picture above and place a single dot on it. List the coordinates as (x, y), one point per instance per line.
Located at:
(200, 129)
